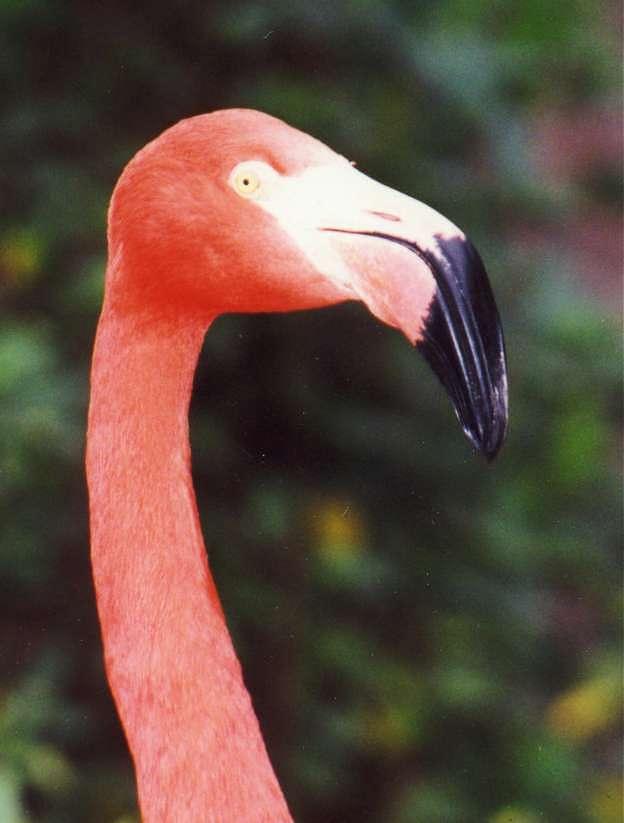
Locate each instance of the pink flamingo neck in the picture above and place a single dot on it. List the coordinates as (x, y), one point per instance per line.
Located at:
(193, 734)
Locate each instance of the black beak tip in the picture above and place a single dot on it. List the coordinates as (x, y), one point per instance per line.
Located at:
(487, 438)
(483, 418)
(490, 450)
(462, 338)
(463, 342)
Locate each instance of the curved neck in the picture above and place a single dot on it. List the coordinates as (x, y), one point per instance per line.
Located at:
(177, 683)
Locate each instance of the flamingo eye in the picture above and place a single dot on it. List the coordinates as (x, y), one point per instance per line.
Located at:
(245, 181)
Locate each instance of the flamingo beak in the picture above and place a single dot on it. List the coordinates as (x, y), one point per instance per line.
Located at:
(415, 270)
(461, 336)
(463, 342)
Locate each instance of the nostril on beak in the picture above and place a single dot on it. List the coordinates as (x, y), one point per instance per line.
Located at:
(385, 215)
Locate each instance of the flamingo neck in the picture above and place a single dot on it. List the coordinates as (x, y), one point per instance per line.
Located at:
(175, 678)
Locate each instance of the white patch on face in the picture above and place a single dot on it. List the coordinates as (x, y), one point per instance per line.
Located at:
(324, 202)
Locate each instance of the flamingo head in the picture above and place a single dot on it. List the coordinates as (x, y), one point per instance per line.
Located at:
(235, 211)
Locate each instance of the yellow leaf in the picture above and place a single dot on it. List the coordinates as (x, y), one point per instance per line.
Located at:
(515, 814)
(339, 530)
(606, 801)
(20, 256)
(585, 710)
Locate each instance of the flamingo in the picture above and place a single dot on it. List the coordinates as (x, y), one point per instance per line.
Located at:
(235, 211)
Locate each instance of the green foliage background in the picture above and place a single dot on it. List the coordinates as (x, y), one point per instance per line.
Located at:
(426, 637)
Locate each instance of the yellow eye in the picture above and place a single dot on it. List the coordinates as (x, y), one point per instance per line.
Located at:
(246, 182)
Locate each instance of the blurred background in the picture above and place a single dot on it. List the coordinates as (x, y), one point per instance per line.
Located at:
(427, 638)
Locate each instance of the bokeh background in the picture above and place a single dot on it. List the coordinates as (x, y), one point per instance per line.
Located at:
(427, 638)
